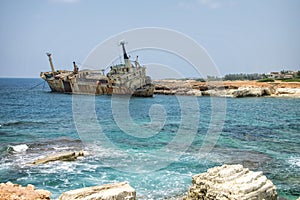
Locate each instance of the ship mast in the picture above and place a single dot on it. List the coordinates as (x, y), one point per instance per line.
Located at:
(51, 63)
(75, 70)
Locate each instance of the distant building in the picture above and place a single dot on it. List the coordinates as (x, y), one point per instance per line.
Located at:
(283, 74)
(288, 76)
(274, 75)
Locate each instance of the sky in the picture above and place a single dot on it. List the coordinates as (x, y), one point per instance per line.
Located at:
(240, 36)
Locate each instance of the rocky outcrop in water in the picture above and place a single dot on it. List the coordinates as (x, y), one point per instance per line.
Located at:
(115, 191)
(231, 182)
(10, 191)
(64, 156)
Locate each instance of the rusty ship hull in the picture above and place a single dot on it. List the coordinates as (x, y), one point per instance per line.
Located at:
(72, 87)
(122, 79)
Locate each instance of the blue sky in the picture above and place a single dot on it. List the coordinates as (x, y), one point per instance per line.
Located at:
(241, 36)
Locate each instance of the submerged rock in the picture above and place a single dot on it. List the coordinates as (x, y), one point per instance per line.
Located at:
(65, 156)
(10, 191)
(231, 182)
(114, 191)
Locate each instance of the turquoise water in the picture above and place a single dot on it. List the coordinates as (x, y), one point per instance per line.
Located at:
(260, 133)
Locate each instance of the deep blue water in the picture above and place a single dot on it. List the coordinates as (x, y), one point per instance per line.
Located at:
(157, 159)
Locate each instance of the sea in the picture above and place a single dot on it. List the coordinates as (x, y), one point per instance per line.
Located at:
(155, 144)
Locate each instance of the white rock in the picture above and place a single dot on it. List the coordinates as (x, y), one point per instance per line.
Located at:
(248, 92)
(231, 182)
(214, 93)
(194, 92)
(115, 191)
(288, 92)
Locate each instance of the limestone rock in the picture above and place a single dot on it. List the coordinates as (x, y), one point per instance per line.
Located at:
(194, 92)
(289, 92)
(214, 93)
(231, 182)
(115, 191)
(64, 156)
(10, 191)
(227, 88)
(247, 92)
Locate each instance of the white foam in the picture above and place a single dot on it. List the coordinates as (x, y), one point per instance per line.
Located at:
(19, 148)
(61, 148)
(295, 161)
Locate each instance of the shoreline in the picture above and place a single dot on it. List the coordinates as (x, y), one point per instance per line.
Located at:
(233, 89)
(211, 184)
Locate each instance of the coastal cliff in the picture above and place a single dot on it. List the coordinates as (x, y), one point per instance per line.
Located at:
(227, 88)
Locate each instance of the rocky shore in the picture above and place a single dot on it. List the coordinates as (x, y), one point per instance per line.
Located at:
(229, 182)
(228, 88)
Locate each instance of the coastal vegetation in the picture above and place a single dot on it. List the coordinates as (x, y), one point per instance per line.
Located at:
(291, 80)
(241, 76)
(266, 80)
(283, 75)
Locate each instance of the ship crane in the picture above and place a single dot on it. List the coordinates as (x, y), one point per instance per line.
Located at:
(51, 63)
(126, 58)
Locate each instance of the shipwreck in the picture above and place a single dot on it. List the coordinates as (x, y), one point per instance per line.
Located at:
(128, 78)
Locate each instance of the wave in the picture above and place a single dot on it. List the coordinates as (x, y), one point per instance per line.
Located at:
(3, 133)
(19, 123)
(60, 142)
(294, 161)
(18, 148)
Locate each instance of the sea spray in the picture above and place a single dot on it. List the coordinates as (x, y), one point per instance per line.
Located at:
(18, 148)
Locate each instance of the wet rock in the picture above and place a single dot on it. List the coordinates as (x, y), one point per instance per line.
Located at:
(10, 191)
(231, 182)
(161, 87)
(114, 191)
(229, 87)
(64, 156)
